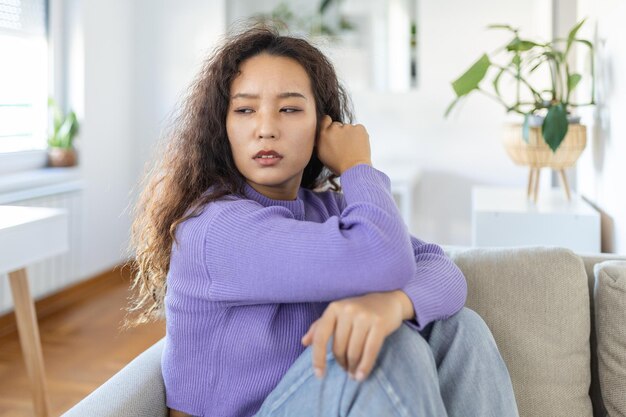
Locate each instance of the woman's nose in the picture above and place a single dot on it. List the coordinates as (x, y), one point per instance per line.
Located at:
(267, 128)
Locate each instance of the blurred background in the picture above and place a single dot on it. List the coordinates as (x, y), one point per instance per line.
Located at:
(124, 66)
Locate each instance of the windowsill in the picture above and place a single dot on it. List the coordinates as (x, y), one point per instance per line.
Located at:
(24, 185)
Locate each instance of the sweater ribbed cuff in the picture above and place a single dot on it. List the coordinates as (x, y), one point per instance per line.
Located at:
(434, 295)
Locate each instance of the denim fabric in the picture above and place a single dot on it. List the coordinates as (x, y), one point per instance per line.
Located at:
(451, 368)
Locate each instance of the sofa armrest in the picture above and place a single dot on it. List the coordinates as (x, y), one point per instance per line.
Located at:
(135, 391)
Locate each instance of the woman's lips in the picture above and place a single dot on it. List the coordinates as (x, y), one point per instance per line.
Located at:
(268, 160)
(267, 157)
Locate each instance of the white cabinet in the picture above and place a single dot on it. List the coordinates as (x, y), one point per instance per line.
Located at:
(505, 217)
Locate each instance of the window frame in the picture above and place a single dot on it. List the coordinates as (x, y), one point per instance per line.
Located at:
(33, 159)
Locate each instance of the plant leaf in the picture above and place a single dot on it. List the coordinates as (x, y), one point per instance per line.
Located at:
(449, 109)
(65, 134)
(585, 41)
(57, 117)
(496, 81)
(507, 27)
(555, 126)
(520, 45)
(572, 35)
(324, 5)
(572, 81)
(540, 61)
(472, 77)
(554, 55)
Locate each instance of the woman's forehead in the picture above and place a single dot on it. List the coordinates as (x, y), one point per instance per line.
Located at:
(266, 74)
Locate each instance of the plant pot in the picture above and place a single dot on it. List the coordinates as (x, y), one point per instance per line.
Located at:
(61, 157)
(536, 154)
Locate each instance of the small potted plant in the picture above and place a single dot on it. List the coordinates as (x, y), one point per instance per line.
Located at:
(61, 151)
(550, 134)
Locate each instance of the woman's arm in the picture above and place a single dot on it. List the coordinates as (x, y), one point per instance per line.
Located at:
(438, 289)
(257, 254)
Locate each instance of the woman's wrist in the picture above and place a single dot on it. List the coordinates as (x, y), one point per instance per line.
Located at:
(408, 312)
(353, 164)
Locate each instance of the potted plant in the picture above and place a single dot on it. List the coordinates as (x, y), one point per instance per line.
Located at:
(61, 152)
(550, 134)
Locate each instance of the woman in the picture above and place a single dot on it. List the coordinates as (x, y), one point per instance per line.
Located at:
(283, 299)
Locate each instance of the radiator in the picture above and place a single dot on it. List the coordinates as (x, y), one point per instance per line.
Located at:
(53, 274)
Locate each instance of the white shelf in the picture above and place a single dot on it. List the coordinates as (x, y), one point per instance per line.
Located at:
(505, 217)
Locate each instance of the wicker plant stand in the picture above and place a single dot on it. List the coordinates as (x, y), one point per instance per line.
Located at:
(536, 154)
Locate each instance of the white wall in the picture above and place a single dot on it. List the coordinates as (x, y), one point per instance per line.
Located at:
(171, 39)
(127, 63)
(106, 149)
(601, 169)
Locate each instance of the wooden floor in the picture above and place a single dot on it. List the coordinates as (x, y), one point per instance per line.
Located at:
(82, 348)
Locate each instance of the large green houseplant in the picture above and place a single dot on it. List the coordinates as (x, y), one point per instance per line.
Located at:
(547, 107)
(61, 151)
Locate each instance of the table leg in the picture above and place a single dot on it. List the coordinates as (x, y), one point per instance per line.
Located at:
(565, 184)
(536, 187)
(29, 338)
(531, 183)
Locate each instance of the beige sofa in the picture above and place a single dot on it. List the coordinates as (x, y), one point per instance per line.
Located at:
(559, 320)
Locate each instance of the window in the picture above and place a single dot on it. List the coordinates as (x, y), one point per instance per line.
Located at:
(23, 75)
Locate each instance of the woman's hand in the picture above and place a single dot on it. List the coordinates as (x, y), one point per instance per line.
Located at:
(360, 326)
(341, 146)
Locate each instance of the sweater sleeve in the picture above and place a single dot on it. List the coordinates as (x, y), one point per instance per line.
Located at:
(257, 254)
(438, 289)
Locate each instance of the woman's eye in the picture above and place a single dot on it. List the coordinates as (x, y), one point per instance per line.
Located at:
(290, 110)
(244, 111)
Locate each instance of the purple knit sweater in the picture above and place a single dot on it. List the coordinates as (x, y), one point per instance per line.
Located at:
(249, 275)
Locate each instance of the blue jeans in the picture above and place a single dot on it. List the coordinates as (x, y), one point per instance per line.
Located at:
(451, 368)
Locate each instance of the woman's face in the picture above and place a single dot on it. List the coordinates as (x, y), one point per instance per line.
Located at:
(272, 111)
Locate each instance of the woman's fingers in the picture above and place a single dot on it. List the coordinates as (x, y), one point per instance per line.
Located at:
(360, 329)
(323, 331)
(340, 341)
(308, 336)
(326, 122)
(373, 345)
(340, 147)
(359, 326)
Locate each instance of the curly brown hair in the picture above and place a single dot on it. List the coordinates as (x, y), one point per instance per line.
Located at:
(196, 156)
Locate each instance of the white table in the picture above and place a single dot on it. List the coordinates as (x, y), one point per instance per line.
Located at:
(27, 235)
(503, 216)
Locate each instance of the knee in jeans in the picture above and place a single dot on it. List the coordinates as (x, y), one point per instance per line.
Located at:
(470, 323)
(405, 346)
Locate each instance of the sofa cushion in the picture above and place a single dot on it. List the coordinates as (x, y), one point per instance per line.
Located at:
(610, 313)
(535, 300)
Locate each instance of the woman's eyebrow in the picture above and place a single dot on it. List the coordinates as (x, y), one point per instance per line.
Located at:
(281, 95)
(291, 94)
